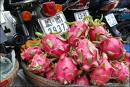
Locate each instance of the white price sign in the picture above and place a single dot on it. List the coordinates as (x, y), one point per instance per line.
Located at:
(54, 24)
(79, 16)
(111, 20)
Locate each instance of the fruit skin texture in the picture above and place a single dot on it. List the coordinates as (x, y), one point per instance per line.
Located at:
(76, 31)
(104, 63)
(66, 71)
(40, 64)
(50, 75)
(28, 54)
(102, 74)
(112, 47)
(127, 59)
(54, 45)
(96, 31)
(87, 54)
(82, 81)
(121, 72)
(99, 76)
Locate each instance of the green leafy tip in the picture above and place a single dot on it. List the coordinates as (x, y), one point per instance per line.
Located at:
(37, 44)
(122, 57)
(89, 19)
(50, 44)
(70, 23)
(81, 56)
(89, 61)
(96, 22)
(39, 34)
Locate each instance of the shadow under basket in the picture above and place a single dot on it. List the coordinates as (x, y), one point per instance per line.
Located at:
(39, 81)
(9, 81)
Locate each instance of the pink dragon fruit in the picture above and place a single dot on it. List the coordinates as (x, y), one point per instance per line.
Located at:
(55, 45)
(76, 31)
(96, 32)
(127, 59)
(100, 76)
(39, 64)
(82, 81)
(50, 75)
(87, 54)
(105, 64)
(28, 54)
(121, 72)
(66, 71)
(112, 47)
(96, 28)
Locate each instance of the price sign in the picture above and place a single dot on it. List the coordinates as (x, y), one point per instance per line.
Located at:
(54, 24)
(111, 20)
(79, 16)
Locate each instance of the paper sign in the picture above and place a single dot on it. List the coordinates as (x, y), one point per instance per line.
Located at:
(111, 20)
(79, 16)
(54, 24)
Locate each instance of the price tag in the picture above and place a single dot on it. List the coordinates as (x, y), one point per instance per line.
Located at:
(111, 20)
(79, 16)
(54, 24)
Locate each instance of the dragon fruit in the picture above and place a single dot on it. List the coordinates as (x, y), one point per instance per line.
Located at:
(39, 64)
(50, 75)
(28, 54)
(121, 72)
(82, 81)
(100, 76)
(87, 54)
(55, 45)
(96, 28)
(76, 31)
(96, 32)
(127, 59)
(105, 63)
(66, 71)
(112, 47)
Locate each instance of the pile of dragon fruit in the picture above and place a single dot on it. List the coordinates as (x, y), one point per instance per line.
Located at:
(87, 54)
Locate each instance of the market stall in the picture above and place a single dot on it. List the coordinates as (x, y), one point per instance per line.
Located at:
(52, 43)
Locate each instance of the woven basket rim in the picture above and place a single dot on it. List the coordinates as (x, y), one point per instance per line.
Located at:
(54, 82)
(39, 77)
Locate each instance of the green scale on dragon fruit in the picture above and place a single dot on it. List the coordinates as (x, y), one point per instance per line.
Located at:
(28, 54)
(113, 47)
(66, 70)
(55, 45)
(86, 54)
(76, 31)
(39, 64)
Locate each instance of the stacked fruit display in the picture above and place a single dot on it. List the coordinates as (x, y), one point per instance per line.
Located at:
(84, 55)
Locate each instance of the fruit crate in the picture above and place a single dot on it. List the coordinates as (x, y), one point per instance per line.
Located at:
(40, 81)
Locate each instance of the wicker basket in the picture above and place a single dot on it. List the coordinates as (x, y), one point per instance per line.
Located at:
(8, 82)
(39, 81)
